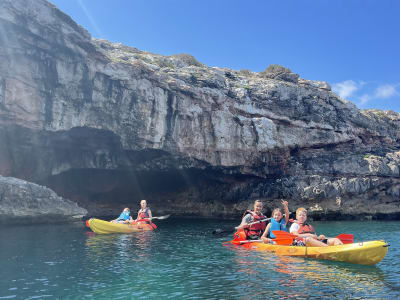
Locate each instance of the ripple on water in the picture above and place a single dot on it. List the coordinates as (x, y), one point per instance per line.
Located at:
(183, 260)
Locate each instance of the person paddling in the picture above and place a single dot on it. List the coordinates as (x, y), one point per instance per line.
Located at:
(144, 212)
(277, 222)
(124, 217)
(254, 231)
(306, 233)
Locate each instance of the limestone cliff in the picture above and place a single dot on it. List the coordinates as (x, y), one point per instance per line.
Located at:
(23, 202)
(106, 125)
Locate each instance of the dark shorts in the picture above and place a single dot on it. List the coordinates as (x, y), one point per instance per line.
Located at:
(298, 243)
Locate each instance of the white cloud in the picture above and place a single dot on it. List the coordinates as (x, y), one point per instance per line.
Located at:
(345, 88)
(364, 99)
(363, 92)
(385, 91)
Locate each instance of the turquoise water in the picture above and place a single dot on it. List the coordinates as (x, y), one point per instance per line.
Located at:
(183, 260)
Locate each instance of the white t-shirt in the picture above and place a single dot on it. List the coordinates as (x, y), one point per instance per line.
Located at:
(294, 227)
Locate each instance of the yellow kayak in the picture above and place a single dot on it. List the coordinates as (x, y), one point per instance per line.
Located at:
(105, 227)
(364, 253)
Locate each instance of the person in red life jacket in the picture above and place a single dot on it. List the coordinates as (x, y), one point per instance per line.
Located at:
(144, 213)
(253, 231)
(306, 233)
(277, 222)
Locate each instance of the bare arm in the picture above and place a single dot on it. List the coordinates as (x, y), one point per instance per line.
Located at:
(304, 235)
(265, 234)
(286, 209)
(295, 230)
(245, 221)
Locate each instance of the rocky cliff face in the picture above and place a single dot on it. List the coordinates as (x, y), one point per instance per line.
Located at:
(106, 125)
(23, 202)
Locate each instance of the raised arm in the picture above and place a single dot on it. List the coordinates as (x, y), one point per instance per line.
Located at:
(286, 209)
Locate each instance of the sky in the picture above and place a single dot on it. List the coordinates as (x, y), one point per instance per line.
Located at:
(354, 45)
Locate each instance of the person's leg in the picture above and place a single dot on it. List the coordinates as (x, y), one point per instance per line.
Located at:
(310, 242)
(334, 242)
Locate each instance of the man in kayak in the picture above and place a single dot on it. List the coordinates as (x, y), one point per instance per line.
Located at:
(124, 217)
(250, 230)
(278, 222)
(144, 212)
(306, 233)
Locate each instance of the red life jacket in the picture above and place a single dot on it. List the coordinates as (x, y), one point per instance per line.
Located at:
(255, 229)
(306, 228)
(143, 214)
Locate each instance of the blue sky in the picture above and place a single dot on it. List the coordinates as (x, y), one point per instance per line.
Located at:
(352, 44)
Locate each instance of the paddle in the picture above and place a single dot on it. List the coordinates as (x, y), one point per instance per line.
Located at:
(346, 238)
(219, 231)
(159, 218)
(278, 241)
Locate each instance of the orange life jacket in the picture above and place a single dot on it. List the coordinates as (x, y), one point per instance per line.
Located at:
(306, 228)
(255, 229)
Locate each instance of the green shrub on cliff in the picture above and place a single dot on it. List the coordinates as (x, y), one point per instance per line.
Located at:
(279, 72)
(188, 59)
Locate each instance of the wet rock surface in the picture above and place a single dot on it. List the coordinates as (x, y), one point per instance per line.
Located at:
(23, 202)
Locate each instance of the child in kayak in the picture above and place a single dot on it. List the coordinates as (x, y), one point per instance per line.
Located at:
(144, 212)
(306, 233)
(253, 231)
(277, 222)
(124, 217)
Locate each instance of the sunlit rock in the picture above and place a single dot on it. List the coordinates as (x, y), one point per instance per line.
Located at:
(106, 125)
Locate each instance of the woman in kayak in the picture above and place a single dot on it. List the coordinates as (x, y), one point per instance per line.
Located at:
(306, 233)
(124, 217)
(253, 231)
(144, 212)
(277, 222)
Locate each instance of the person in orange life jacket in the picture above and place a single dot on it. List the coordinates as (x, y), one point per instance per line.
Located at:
(144, 212)
(277, 222)
(306, 232)
(253, 232)
(124, 217)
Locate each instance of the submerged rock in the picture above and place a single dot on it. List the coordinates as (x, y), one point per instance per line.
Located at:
(106, 125)
(24, 202)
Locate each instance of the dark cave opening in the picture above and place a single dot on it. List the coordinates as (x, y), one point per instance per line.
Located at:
(105, 192)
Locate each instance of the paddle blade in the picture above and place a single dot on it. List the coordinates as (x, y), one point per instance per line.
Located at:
(162, 217)
(283, 234)
(283, 241)
(346, 238)
(239, 235)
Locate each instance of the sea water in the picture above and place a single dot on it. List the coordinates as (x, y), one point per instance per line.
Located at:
(182, 259)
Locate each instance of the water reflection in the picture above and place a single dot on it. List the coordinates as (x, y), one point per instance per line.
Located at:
(284, 275)
(136, 247)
